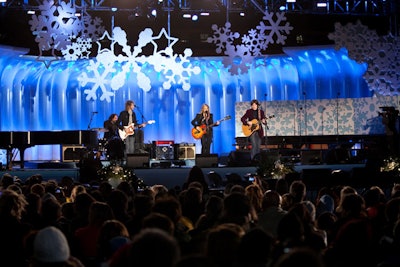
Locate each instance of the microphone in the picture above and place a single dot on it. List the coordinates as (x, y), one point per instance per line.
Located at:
(304, 93)
(94, 112)
(136, 106)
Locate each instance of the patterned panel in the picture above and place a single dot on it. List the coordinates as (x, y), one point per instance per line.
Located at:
(341, 116)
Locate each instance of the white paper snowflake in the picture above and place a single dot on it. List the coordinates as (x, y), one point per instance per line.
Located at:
(57, 25)
(176, 68)
(381, 53)
(271, 29)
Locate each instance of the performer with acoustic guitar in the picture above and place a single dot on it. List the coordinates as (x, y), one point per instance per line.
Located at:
(127, 124)
(203, 123)
(251, 126)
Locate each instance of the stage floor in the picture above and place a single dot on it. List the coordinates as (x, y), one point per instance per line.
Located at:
(170, 176)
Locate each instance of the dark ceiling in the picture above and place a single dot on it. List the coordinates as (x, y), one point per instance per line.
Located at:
(311, 25)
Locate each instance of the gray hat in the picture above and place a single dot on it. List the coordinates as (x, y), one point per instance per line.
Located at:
(50, 245)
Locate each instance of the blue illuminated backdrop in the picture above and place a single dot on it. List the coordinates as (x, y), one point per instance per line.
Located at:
(79, 92)
(34, 97)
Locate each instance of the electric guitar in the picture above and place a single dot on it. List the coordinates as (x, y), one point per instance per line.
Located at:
(248, 130)
(198, 133)
(130, 129)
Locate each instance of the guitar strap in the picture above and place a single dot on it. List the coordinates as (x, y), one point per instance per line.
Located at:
(130, 117)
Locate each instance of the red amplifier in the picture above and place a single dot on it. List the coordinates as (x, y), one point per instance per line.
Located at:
(163, 143)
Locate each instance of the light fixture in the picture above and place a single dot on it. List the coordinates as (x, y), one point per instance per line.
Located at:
(195, 17)
(322, 4)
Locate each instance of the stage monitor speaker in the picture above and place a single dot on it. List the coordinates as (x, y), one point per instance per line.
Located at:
(312, 157)
(239, 158)
(137, 160)
(207, 161)
(185, 151)
(315, 178)
(338, 156)
(272, 155)
(72, 153)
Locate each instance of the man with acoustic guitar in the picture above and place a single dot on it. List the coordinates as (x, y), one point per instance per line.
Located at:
(203, 123)
(251, 126)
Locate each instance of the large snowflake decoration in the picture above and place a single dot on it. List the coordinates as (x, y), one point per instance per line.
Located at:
(381, 53)
(176, 68)
(57, 25)
(272, 29)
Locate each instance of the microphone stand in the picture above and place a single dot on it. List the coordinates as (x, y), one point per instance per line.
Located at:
(141, 114)
(322, 121)
(266, 124)
(305, 119)
(90, 121)
(140, 140)
(300, 128)
(294, 119)
(337, 118)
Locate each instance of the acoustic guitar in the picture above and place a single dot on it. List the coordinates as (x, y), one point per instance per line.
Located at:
(197, 134)
(248, 130)
(130, 129)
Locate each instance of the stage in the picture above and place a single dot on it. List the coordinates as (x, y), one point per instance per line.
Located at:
(175, 175)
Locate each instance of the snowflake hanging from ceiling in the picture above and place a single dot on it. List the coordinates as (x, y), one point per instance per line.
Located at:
(109, 70)
(57, 26)
(272, 29)
(381, 53)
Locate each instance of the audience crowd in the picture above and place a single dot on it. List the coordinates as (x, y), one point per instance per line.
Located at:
(243, 224)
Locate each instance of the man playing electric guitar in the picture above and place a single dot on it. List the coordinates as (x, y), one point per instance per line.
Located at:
(203, 120)
(126, 119)
(251, 121)
(130, 129)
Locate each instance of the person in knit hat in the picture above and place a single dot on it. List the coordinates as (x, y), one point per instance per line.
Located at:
(51, 249)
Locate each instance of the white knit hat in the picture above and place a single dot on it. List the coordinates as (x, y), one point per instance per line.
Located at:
(50, 245)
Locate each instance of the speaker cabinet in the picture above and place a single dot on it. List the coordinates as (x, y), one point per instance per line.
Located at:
(311, 157)
(137, 160)
(316, 178)
(239, 158)
(72, 153)
(163, 150)
(207, 161)
(338, 156)
(185, 151)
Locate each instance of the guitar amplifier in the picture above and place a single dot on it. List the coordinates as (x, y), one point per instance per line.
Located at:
(163, 150)
(72, 153)
(137, 160)
(185, 151)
